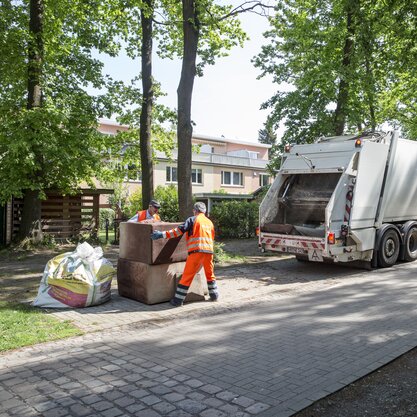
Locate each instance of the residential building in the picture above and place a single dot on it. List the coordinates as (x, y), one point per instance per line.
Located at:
(222, 165)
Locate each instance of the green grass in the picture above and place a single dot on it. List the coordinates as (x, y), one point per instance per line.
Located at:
(221, 256)
(102, 236)
(23, 325)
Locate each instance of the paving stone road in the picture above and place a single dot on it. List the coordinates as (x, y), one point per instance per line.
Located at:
(266, 354)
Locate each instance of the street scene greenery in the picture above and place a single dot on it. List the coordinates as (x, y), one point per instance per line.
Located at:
(337, 66)
(23, 325)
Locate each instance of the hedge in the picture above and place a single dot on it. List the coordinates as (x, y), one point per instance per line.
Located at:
(235, 219)
(106, 213)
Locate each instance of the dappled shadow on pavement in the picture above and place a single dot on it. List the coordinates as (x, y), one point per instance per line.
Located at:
(284, 353)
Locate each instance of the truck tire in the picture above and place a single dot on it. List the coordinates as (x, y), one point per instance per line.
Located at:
(410, 244)
(302, 258)
(389, 248)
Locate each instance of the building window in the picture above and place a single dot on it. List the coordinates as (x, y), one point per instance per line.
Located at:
(133, 174)
(263, 180)
(196, 176)
(171, 174)
(232, 178)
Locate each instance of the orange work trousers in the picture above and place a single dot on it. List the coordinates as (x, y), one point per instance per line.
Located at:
(194, 263)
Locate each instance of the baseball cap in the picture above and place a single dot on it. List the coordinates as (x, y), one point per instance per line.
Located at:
(155, 204)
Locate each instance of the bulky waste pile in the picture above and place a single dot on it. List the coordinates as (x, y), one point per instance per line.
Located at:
(76, 279)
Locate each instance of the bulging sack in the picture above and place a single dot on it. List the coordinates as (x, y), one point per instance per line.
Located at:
(76, 279)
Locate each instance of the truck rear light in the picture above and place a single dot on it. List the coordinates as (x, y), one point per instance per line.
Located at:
(358, 143)
(257, 231)
(331, 238)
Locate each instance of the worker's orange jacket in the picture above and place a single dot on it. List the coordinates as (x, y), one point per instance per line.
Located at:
(199, 234)
(142, 216)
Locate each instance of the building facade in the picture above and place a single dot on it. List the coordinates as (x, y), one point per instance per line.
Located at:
(221, 165)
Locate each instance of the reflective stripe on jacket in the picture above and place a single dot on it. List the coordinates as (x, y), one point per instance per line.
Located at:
(142, 215)
(199, 234)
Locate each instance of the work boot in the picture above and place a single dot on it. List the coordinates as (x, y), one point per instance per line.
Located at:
(175, 302)
(180, 294)
(213, 293)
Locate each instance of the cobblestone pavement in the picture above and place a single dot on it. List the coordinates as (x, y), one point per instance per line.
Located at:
(268, 354)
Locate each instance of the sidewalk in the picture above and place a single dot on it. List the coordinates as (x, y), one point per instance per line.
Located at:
(268, 353)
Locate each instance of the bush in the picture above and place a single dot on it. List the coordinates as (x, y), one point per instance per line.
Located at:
(168, 197)
(134, 203)
(106, 213)
(235, 219)
(119, 201)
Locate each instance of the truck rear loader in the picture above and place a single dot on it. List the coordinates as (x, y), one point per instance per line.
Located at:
(344, 199)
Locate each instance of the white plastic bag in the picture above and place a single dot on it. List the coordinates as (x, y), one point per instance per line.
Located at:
(76, 279)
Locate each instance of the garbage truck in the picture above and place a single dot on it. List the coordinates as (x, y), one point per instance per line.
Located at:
(344, 199)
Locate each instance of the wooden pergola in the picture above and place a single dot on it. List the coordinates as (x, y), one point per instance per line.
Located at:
(62, 217)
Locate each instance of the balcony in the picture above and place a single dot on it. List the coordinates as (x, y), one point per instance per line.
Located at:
(221, 159)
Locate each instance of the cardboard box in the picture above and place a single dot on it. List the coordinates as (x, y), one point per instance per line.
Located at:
(136, 244)
(152, 284)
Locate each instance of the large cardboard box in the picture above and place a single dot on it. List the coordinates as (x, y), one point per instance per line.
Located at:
(152, 284)
(136, 244)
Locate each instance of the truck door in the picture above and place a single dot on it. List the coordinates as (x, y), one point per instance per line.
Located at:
(370, 174)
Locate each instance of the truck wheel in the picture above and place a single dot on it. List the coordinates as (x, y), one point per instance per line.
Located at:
(410, 245)
(389, 249)
(302, 258)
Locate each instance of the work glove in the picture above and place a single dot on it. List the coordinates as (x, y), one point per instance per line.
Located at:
(156, 235)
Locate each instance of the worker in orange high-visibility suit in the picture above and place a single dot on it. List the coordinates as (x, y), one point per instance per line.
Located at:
(150, 214)
(200, 245)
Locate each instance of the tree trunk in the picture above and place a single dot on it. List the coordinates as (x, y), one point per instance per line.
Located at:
(343, 96)
(370, 93)
(30, 225)
(191, 32)
(147, 105)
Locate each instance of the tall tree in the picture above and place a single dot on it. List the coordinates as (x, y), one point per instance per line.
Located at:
(135, 107)
(191, 32)
(48, 137)
(208, 31)
(342, 100)
(31, 215)
(147, 103)
(340, 65)
(268, 136)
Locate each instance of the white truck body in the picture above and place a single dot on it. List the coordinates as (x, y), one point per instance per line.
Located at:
(344, 199)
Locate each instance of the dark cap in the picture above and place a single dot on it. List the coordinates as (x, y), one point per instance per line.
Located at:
(155, 204)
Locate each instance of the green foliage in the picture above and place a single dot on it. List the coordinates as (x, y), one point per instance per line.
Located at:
(106, 214)
(221, 256)
(168, 197)
(29, 244)
(262, 193)
(134, 203)
(268, 136)
(119, 200)
(22, 325)
(56, 145)
(235, 219)
(124, 148)
(219, 31)
(305, 56)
